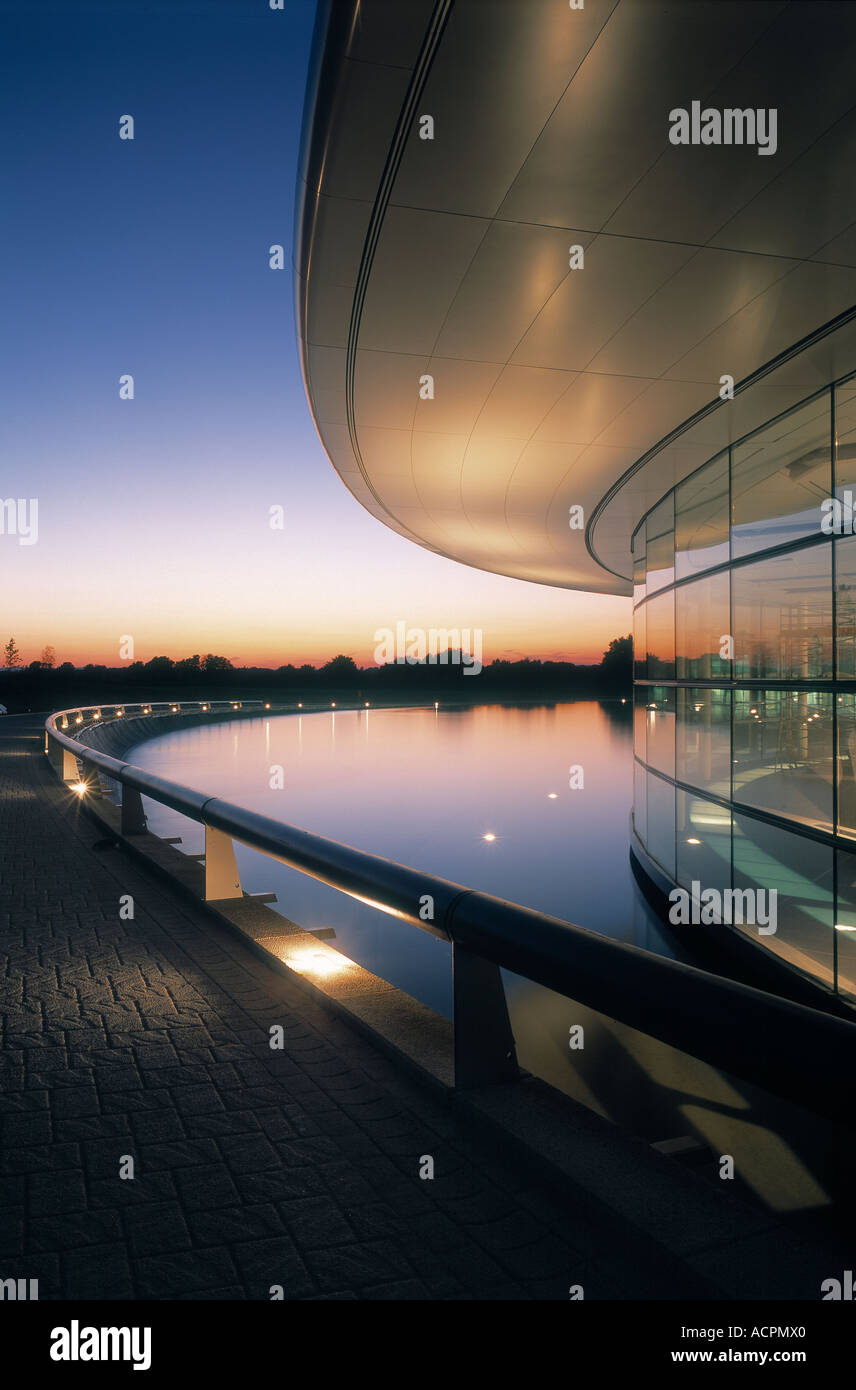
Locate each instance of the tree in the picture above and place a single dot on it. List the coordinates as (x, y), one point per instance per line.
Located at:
(617, 660)
(11, 655)
(341, 668)
(188, 667)
(212, 664)
(48, 658)
(159, 666)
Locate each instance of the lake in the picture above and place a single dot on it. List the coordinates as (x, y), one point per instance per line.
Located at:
(479, 794)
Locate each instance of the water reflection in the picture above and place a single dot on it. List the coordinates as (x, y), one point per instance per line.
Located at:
(478, 794)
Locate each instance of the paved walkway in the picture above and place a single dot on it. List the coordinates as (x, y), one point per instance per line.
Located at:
(252, 1168)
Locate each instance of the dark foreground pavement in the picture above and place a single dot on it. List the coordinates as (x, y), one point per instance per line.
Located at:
(252, 1168)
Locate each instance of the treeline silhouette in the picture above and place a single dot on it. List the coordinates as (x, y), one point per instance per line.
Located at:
(39, 686)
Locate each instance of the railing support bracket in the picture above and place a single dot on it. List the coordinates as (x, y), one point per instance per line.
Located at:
(485, 1054)
(222, 879)
(133, 815)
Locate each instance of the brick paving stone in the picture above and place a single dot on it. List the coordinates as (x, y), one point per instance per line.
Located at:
(253, 1168)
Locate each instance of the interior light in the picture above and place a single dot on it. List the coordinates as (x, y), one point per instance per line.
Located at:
(693, 841)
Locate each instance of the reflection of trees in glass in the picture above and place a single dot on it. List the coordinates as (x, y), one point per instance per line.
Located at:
(846, 624)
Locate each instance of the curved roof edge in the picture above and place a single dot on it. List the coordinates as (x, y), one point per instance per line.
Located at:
(787, 379)
(555, 390)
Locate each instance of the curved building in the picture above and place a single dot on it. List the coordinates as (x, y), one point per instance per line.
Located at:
(576, 301)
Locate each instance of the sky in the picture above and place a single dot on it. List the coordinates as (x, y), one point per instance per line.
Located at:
(149, 257)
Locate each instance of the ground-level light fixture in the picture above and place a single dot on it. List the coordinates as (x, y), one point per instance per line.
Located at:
(489, 836)
(321, 963)
(551, 796)
(267, 706)
(80, 787)
(693, 841)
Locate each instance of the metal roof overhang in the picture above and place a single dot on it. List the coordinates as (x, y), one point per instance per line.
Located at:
(450, 257)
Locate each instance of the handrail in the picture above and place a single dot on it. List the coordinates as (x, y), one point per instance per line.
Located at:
(795, 1052)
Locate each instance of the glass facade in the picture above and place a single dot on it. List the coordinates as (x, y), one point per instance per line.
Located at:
(745, 699)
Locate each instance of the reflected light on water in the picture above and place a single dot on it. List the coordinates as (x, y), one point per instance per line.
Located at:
(460, 792)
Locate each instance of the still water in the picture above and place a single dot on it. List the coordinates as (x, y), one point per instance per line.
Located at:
(426, 787)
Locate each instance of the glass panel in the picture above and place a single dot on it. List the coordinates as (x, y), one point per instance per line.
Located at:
(703, 734)
(779, 477)
(638, 547)
(660, 636)
(782, 615)
(845, 436)
(661, 823)
(783, 753)
(703, 843)
(640, 802)
(701, 519)
(846, 764)
(640, 721)
(702, 627)
(845, 608)
(640, 664)
(845, 923)
(660, 548)
(660, 728)
(800, 870)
